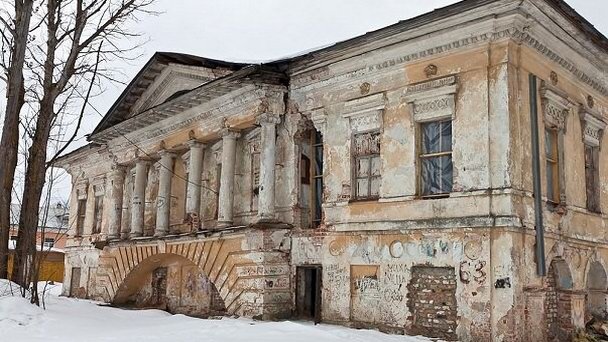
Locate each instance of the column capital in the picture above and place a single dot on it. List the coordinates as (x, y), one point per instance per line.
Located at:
(193, 143)
(267, 118)
(228, 133)
(166, 153)
(117, 169)
(143, 161)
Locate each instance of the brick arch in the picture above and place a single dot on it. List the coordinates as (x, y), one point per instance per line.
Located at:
(596, 283)
(558, 286)
(217, 259)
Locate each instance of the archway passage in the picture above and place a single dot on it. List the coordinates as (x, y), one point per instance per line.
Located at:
(597, 284)
(558, 305)
(172, 283)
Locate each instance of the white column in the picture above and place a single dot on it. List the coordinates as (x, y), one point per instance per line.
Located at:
(163, 200)
(193, 199)
(266, 208)
(117, 182)
(138, 200)
(226, 196)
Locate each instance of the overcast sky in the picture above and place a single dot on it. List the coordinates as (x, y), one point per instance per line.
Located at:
(254, 30)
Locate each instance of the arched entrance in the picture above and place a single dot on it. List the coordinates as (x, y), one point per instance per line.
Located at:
(597, 284)
(558, 305)
(173, 283)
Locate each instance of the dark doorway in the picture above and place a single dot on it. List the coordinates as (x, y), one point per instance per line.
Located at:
(159, 287)
(75, 283)
(308, 293)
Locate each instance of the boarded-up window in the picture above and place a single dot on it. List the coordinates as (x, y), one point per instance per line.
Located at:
(592, 178)
(552, 165)
(255, 171)
(367, 165)
(365, 293)
(436, 158)
(82, 207)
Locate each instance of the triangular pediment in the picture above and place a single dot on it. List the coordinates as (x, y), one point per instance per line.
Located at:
(164, 75)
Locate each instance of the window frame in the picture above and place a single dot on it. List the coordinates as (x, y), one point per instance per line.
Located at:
(422, 156)
(553, 161)
(316, 212)
(592, 170)
(355, 159)
(81, 213)
(46, 241)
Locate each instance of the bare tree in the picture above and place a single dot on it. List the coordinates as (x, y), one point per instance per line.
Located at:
(79, 38)
(14, 30)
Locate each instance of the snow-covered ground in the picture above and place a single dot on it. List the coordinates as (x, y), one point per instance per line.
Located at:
(67, 319)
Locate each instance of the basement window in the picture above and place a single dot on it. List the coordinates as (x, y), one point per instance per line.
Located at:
(436, 159)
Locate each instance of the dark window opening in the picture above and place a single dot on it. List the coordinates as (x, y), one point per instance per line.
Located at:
(82, 205)
(552, 165)
(317, 175)
(592, 178)
(436, 158)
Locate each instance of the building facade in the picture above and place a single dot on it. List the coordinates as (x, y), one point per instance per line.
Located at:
(398, 180)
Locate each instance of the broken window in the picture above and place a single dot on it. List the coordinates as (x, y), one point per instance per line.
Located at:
(592, 178)
(80, 216)
(367, 165)
(552, 165)
(436, 158)
(317, 169)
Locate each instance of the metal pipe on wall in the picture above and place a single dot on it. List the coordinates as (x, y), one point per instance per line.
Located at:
(538, 204)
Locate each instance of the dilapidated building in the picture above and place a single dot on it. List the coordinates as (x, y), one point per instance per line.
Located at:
(443, 176)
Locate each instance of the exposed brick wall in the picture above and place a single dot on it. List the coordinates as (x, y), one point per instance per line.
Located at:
(432, 302)
(558, 309)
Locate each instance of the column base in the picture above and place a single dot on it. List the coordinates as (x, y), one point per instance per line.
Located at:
(160, 234)
(113, 237)
(135, 235)
(266, 218)
(224, 224)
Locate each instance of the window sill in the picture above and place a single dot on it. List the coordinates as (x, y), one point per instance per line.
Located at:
(364, 200)
(432, 197)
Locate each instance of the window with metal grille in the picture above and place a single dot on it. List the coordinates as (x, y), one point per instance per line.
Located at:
(436, 158)
(552, 164)
(367, 165)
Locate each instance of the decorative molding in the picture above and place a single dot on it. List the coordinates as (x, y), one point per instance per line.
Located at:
(319, 119)
(82, 187)
(430, 70)
(316, 79)
(365, 114)
(267, 119)
(593, 127)
(556, 106)
(99, 185)
(433, 100)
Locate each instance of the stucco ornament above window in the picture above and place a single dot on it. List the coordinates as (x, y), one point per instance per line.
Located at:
(433, 100)
(556, 106)
(319, 119)
(593, 127)
(81, 189)
(365, 113)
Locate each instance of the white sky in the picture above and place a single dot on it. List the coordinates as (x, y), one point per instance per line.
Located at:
(250, 30)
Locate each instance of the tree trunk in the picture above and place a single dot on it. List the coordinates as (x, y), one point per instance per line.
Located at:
(25, 252)
(10, 132)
